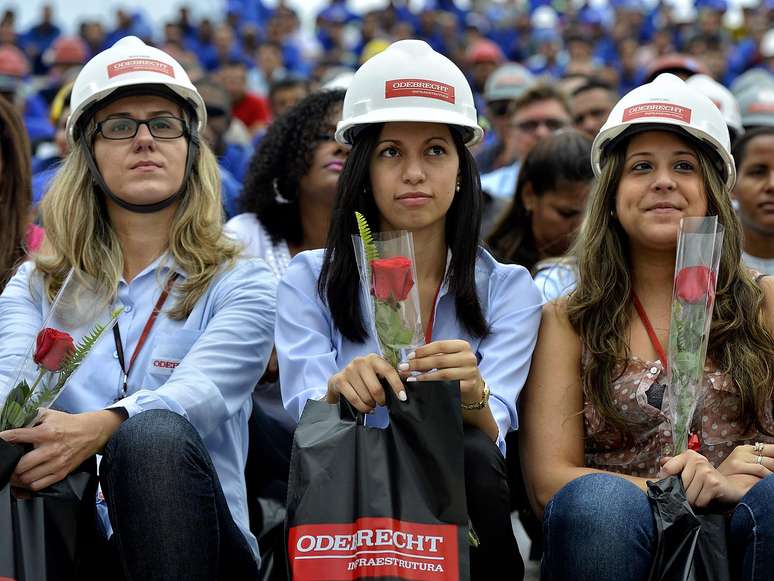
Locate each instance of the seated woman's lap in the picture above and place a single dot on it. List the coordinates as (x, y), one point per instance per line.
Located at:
(166, 503)
(600, 526)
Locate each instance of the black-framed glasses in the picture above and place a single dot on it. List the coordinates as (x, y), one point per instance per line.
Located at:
(126, 128)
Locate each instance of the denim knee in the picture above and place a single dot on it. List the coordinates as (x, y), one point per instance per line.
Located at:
(591, 523)
(155, 438)
(752, 531)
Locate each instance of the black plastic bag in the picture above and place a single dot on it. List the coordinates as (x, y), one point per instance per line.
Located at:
(46, 534)
(380, 503)
(689, 546)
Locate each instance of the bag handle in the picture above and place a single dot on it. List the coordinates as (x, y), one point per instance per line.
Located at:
(349, 413)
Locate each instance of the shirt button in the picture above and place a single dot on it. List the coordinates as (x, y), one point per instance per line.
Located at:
(115, 354)
(128, 309)
(653, 370)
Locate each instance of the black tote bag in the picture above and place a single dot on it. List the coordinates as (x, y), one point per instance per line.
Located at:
(45, 535)
(380, 503)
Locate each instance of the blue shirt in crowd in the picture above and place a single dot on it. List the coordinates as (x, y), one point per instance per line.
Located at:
(203, 368)
(310, 349)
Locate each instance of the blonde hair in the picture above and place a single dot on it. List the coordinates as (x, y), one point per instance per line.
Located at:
(79, 233)
(740, 342)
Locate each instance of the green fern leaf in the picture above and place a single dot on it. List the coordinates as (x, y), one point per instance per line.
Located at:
(368, 239)
(85, 345)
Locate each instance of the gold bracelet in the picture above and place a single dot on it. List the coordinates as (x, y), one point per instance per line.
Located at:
(479, 405)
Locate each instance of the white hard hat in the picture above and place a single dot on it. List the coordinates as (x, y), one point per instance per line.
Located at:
(722, 97)
(544, 17)
(668, 102)
(409, 81)
(757, 105)
(130, 62)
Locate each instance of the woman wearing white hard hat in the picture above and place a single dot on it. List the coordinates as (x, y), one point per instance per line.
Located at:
(409, 116)
(594, 427)
(166, 398)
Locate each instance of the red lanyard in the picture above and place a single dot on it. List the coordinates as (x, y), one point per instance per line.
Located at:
(143, 336)
(431, 320)
(649, 328)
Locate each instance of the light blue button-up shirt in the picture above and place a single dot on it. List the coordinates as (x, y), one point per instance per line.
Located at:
(210, 361)
(311, 349)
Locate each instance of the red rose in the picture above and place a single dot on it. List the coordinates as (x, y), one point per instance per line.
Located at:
(693, 283)
(392, 277)
(52, 348)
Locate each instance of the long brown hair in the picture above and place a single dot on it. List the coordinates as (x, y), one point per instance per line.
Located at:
(740, 342)
(15, 189)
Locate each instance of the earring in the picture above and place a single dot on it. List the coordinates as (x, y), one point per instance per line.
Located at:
(457, 188)
(278, 197)
(612, 214)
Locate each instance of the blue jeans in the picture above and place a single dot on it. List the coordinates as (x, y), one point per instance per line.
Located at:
(166, 505)
(601, 527)
(751, 539)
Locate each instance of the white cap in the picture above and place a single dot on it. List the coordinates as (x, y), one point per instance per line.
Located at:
(130, 62)
(669, 102)
(409, 81)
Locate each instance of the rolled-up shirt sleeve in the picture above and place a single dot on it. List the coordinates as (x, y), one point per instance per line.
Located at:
(306, 355)
(515, 306)
(217, 375)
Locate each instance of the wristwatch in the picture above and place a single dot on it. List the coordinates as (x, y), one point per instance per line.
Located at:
(479, 405)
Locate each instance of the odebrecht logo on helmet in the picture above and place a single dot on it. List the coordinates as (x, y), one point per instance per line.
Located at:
(419, 88)
(396, 85)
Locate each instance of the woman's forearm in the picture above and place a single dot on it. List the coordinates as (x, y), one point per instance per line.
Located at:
(483, 420)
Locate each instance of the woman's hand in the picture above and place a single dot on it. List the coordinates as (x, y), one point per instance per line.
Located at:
(703, 483)
(447, 361)
(62, 442)
(359, 383)
(744, 460)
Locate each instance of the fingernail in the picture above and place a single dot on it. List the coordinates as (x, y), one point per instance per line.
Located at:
(403, 367)
(402, 395)
(411, 378)
(412, 354)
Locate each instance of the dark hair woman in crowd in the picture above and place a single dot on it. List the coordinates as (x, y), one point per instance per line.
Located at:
(17, 236)
(549, 202)
(754, 195)
(291, 182)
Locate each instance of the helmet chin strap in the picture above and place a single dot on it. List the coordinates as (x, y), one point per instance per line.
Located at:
(193, 146)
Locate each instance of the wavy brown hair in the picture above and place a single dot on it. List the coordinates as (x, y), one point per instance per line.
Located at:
(740, 343)
(15, 190)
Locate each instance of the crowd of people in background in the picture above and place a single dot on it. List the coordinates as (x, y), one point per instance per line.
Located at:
(544, 77)
(534, 67)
